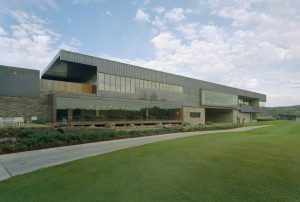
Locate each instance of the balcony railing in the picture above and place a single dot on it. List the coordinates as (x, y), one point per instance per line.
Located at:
(67, 87)
(250, 109)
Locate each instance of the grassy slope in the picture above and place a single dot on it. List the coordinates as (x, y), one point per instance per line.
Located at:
(259, 165)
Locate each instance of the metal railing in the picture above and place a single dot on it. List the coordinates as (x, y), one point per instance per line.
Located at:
(11, 122)
(250, 109)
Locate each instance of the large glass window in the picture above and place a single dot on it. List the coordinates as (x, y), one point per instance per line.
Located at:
(112, 83)
(152, 84)
(161, 86)
(156, 85)
(132, 85)
(218, 99)
(118, 84)
(127, 85)
(115, 83)
(168, 87)
(141, 83)
(101, 81)
(164, 86)
(137, 83)
(101, 110)
(123, 84)
(107, 82)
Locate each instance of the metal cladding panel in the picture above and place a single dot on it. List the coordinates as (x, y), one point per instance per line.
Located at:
(190, 86)
(19, 82)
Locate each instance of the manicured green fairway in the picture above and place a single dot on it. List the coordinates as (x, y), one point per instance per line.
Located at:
(260, 165)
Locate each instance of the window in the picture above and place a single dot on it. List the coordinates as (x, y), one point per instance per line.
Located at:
(195, 114)
(152, 84)
(147, 84)
(123, 84)
(141, 83)
(172, 88)
(112, 83)
(118, 84)
(101, 81)
(137, 83)
(161, 87)
(218, 99)
(132, 89)
(107, 82)
(157, 86)
(164, 86)
(127, 85)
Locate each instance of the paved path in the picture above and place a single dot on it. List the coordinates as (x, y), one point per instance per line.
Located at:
(25, 162)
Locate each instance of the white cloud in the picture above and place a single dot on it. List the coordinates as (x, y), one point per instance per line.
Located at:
(30, 42)
(142, 16)
(157, 22)
(175, 14)
(10, 5)
(189, 30)
(2, 31)
(146, 2)
(160, 9)
(258, 51)
(165, 42)
(82, 2)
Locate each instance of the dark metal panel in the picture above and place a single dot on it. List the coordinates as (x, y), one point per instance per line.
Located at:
(16, 81)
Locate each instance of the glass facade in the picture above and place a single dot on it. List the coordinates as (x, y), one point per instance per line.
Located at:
(120, 84)
(248, 102)
(219, 99)
(112, 110)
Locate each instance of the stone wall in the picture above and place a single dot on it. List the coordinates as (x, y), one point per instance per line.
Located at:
(26, 107)
(194, 121)
(242, 117)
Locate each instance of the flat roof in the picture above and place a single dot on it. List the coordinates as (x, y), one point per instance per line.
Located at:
(70, 56)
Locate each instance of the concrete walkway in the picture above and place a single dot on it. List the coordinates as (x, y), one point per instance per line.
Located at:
(25, 162)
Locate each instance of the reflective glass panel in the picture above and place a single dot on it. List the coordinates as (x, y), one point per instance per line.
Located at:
(118, 84)
(218, 99)
(123, 84)
(127, 85)
(107, 82)
(101, 81)
(112, 83)
(132, 86)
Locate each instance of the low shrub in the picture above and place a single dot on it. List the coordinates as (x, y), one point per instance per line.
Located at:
(39, 122)
(28, 139)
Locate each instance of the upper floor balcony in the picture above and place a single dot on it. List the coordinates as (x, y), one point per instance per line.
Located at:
(250, 109)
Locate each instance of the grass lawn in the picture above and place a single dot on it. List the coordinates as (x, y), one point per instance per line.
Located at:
(258, 165)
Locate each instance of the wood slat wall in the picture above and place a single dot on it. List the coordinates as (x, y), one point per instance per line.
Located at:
(69, 87)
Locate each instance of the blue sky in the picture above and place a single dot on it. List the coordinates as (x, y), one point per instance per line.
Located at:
(249, 44)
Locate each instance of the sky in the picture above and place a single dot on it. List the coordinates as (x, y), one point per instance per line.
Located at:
(248, 44)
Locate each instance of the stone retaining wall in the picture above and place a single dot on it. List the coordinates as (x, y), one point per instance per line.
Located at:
(11, 106)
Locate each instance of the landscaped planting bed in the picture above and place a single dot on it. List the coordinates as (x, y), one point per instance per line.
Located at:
(16, 140)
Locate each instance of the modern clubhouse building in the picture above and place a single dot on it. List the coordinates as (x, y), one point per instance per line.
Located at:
(87, 90)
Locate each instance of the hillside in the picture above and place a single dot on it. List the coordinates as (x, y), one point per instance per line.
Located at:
(274, 111)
